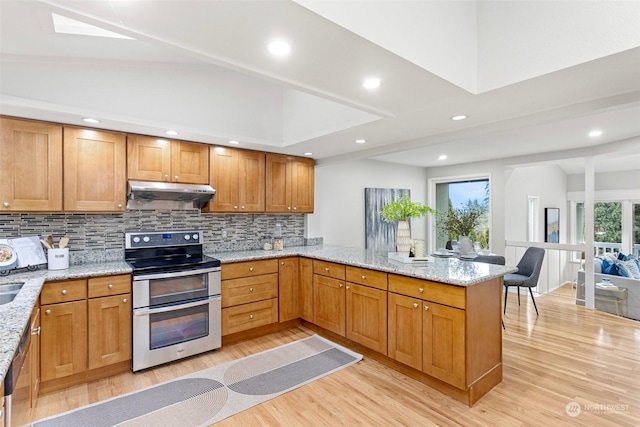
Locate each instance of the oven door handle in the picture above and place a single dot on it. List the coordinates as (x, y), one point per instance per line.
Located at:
(146, 312)
(175, 274)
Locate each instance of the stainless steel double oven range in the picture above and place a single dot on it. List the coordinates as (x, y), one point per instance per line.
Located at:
(176, 296)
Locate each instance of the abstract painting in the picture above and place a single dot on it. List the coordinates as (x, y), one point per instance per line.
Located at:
(552, 223)
(380, 235)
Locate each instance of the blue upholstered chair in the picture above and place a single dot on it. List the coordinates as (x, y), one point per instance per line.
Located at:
(527, 276)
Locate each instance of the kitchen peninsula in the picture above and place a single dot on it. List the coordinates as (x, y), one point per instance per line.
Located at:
(437, 321)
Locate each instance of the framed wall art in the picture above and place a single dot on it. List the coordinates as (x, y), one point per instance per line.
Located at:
(552, 225)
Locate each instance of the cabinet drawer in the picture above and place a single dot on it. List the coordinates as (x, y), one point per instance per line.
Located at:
(69, 290)
(248, 316)
(453, 296)
(363, 276)
(109, 285)
(249, 268)
(249, 289)
(329, 269)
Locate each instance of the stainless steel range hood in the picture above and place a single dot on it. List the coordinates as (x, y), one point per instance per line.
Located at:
(168, 195)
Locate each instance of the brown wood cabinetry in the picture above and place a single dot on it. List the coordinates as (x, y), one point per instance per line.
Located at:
(30, 166)
(239, 179)
(289, 184)
(249, 295)
(366, 312)
(85, 324)
(157, 159)
(329, 298)
(289, 294)
(306, 289)
(95, 170)
(405, 330)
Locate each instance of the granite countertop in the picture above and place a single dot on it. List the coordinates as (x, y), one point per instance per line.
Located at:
(452, 271)
(15, 316)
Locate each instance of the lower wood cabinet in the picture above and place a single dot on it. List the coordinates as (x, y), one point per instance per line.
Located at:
(306, 289)
(405, 330)
(248, 316)
(289, 294)
(366, 311)
(329, 302)
(85, 324)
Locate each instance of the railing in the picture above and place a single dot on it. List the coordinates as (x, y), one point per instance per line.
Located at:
(614, 248)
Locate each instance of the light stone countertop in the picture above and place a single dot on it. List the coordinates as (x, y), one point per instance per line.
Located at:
(452, 271)
(15, 316)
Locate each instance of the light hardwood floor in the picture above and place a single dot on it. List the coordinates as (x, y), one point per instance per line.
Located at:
(567, 354)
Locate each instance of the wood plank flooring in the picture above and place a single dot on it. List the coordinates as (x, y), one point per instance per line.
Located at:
(567, 354)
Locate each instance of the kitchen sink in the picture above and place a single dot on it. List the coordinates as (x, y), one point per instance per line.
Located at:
(8, 291)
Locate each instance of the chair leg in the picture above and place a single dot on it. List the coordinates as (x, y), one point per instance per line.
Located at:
(518, 296)
(506, 292)
(534, 302)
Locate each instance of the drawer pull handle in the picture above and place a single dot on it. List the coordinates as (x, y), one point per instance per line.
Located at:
(47, 312)
(124, 301)
(35, 331)
(426, 307)
(421, 290)
(250, 289)
(251, 316)
(110, 286)
(64, 292)
(415, 305)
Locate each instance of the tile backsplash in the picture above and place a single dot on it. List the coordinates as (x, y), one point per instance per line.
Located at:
(100, 237)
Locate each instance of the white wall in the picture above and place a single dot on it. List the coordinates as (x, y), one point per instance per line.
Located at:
(339, 198)
(625, 180)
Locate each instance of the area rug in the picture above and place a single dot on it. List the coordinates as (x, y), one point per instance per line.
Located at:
(213, 394)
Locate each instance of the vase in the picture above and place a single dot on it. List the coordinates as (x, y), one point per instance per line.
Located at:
(403, 239)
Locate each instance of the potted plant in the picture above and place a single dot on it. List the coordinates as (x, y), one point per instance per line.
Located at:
(401, 210)
(459, 223)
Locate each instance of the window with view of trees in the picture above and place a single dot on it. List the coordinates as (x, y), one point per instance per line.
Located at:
(607, 221)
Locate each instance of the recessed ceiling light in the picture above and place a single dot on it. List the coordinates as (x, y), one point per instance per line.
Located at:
(442, 157)
(90, 120)
(64, 25)
(459, 117)
(595, 133)
(360, 141)
(234, 142)
(308, 153)
(279, 47)
(171, 132)
(371, 83)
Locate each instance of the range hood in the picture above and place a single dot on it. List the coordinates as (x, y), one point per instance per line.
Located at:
(168, 195)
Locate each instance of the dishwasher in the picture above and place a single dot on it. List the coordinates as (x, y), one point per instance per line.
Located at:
(17, 383)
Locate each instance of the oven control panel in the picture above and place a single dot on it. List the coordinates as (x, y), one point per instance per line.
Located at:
(156, 239)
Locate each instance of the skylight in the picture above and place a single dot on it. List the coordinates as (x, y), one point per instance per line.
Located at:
(64, 25)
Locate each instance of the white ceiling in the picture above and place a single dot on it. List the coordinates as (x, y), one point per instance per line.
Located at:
(533, 77)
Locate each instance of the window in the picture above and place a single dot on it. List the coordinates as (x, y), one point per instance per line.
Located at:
(607, 225)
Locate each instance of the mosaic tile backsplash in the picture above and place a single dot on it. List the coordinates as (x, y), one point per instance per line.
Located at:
(100, 237)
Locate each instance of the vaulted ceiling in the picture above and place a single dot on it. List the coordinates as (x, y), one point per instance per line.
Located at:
(531, 77)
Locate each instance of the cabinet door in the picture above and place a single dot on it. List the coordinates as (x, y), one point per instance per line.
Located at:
(30, 166)
(189, 162)
(224, 178)
(95, 170)
(278, 176)
(289, 291)
(63, 339)
(329, 303)
(251, 173)
(148, 159)
(109, 330)
(443, 343)
(405, 330)
(302, 185)
(367, 316)
(306, 288)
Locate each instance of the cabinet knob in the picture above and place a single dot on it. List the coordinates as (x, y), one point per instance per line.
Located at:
(241, 207)
(5, 204)
(282, 263)
(340, 285)
(124, 300)
(250, 268)
(119, 205)
(175, 178)
(415, 305)
(426, 307)
(421, 290)
(235, 207)
(35, 331)
(110, 286)
(250, 289)
(326, 269)
(251, 316)
(289, 207)
(64, 292)
(47, 312)
(364, 277)
(294, 208)
(348, 287)
(166, 177)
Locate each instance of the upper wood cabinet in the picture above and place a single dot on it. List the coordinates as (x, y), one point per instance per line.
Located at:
(30, 166)
(289, 184)
(157, 159)
(94, 170)
(239, 179)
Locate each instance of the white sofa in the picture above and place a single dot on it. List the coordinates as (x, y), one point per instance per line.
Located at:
(630, 308)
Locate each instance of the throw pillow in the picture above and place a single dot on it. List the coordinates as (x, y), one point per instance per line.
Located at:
(610, 268)
(628, 269)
